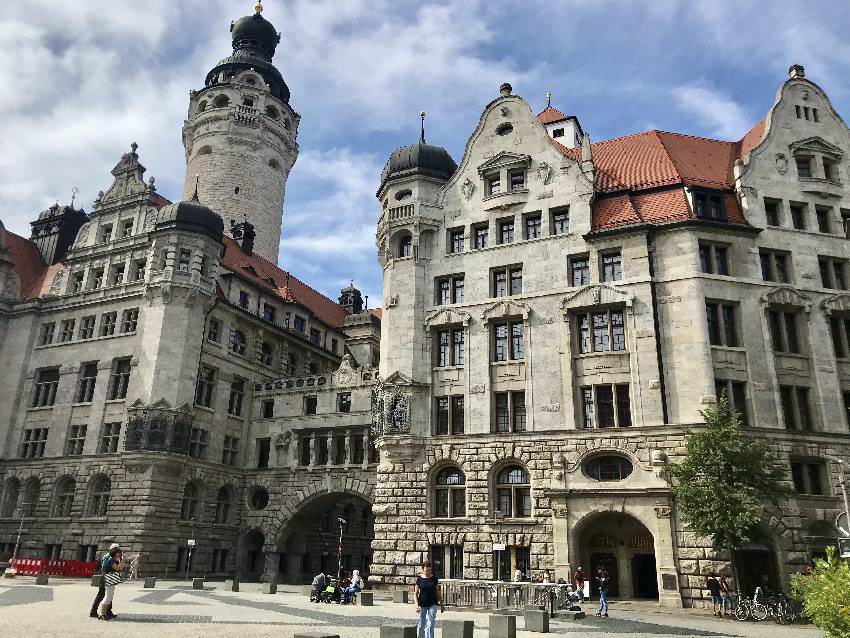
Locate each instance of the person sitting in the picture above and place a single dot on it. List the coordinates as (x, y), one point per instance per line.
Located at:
(353, 588)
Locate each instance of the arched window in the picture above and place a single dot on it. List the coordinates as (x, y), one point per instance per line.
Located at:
(608, 468)
(450, 493)
(272, 112)
(266, 354)
(405, 246)
(64, 499)
(32, 491)
(221, 101)
(238, 343)
(189, 504)
(513, 492)
(202, 106)
(10, 497)
(223, 505)
(99, 496)
(273, 163)
(204, 150)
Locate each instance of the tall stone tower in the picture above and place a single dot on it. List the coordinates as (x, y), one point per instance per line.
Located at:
(240, 135)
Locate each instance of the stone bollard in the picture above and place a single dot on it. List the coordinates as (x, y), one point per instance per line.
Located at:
(316, 634)
(402, 596)
(269, 588)
(502, 626)
(96, 579)
(366, 599)
(150, 582)
(306, 590)
(231, 584)
(197, 583)
(458, 628)
(398, 631)
(41, 579)
(537, 620)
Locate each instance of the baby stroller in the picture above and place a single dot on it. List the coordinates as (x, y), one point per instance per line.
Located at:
(332, 593)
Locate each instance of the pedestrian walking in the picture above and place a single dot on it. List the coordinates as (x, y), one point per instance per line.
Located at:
(113, 564)
(713, 586)
(428, 598)
(101, 590)
(603, 578)
(579, 578)
(726, 595)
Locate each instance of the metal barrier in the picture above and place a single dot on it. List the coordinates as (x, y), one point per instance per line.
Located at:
(487, 594)
(35, 566)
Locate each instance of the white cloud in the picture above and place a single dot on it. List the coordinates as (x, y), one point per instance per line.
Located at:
(724, 117)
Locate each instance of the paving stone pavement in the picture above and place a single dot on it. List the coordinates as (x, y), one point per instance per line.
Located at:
(173, 609)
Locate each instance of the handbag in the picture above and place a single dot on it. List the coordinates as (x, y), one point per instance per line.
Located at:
(112, 578)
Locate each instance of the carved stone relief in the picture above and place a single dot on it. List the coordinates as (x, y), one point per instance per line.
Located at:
(467, 188)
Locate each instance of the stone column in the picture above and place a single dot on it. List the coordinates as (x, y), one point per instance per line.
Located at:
(349, 452)
(665, 564)
(561, 540)
(313, 449)
(365, 448)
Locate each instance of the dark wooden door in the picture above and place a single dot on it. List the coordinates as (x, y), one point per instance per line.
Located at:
(644, 576)
(609, 562)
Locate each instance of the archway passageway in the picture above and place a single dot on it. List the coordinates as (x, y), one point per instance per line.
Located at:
(625, 548)
(253, 555)
(311, 539)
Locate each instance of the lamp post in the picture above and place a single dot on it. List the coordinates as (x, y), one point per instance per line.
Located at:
(191, 544)
(21, 511)
(342, 522)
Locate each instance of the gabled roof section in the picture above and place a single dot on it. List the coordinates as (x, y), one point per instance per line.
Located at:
(550, 115)
(28, 264)
(752, 138)
(287, 287)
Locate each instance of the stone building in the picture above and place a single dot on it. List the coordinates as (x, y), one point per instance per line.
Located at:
(555, 315)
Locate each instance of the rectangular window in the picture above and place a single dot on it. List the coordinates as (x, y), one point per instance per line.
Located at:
(580, 271)
(127, 228)
(798, 215)
(88, 379)
(822, 213)
(106, 233)
(507, 341)
(600, 331)
(807, 477)
(449, 290)
(334, 346)
(559, 221)
(611, 267)
(214, 330)
(783, 331)
(116, 274)
(77, 281)
(714, 258)
(624, 408)
(501, 412)
(45, 336)
(299, 324)
(507, 281)
(119, 380)
(829, 171)
(804, 166)
(230, 452)
(86, 327)
(343, 402)
(518, 411)
(455, 240)
(310, 405)
(494, 185)
(456, 561)
(263, 449)
(76, 440)
(184, 260)
(450, 347)
(709, 205)
(795, 408)
(509, 412)
(129, 320)
(107, 324)
(517, 179)
(96, 279)
(315, 336)
(198, 443)
(736, 394)
(832, 272)
(839, 329)
(33, 443)
(449, 415)
(457, 419)
(205, 387)
(533, 226)
(66, 330)
(244, 299)
(44, 392)
(268, 409)
(506, 231)
(774, 266)
(771, 212)
(109, 435)
(846, 395)
(139, 269)
(722, 324)
(237, 394)
(606, 406)
(480, 234)
(268, 312)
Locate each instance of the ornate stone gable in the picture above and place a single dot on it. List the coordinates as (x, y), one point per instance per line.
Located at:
(816, 145)
(504, 159)
(596, 295)
(506, 308)
(786, 296)
(129, 179)
(445, 316)
(836, 303)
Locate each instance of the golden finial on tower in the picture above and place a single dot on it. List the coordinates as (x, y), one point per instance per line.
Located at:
(548, 99)
(258, 7)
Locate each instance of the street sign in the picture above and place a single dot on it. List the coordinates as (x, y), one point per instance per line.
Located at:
(499, 547)
(191, 542)
(842, 524)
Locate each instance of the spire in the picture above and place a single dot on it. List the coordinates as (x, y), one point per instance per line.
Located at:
(422, 127)
(258, 8)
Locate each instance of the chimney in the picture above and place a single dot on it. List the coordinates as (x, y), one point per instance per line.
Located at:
(244, 234)
(796, 71)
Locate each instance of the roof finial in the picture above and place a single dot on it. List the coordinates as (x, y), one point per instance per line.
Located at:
(74, 192)
(258, 7)
(195, 196)
(422, 127)
(548, 99)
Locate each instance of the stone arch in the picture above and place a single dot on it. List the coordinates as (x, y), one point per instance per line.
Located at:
(221, 101)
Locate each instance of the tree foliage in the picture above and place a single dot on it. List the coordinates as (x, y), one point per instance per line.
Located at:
(825, 594)
(726, 479)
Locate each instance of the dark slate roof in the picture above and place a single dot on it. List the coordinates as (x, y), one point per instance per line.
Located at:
(193, 216)
(419, 159)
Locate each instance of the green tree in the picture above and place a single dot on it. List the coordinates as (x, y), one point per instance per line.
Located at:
(726, 479)
(825, 594)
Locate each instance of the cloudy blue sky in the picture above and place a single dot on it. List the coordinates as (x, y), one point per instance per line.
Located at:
(83, 78)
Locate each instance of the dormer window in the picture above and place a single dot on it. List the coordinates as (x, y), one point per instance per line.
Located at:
(517, 179)
(558, 132)
(709, 205)
(804, 167)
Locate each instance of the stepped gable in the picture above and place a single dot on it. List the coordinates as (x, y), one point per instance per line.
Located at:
(287, 287)
(28, 264)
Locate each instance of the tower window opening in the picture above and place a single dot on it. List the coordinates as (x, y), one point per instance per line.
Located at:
(247, 101)
(204, 150)
(274, 164)
(236, 191)
(272, 112)
(287, 124)
(202, 106)
(221, 102)
(505, 129)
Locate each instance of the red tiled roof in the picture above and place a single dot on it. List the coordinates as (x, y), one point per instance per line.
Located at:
(610, 212)
(28, 264)
(286, 286)
(378, 312)
(752, 139)
(549, 115)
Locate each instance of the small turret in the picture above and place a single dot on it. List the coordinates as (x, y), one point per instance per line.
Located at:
(55, 230)
(351, 299)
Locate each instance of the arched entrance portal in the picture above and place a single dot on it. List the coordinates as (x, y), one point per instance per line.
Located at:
(253, 555)
(310, 541)
(625, 548)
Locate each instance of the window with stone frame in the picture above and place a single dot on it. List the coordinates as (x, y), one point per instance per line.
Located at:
(11, 493)
(129, 320)
(509, 412)
(796, 409)
(116, 274)
(506, 280)
(602, 331)
(139, 267)
(87, 382)
(266, 354)
(480, 235)
(45, 335)
(450, 493)
(449, 290)
(110, 433)
(606, 405)
(189, 502)
(119, 380)
(315, 336)
(454, 240)
(87, 327)
(833, 272)
(63, 501)
(98, 502)
(798, 215)
(533, 225)
(77, 282)
(807, 476)
(107, 323)
(449, 415)
(205, 387)
(238, 342)
(736, 394)
(513, 492)
(230, 451)
(214, 330)
(722, 320)
(822, 214)
(611, 268)
(237, 394)
(33, 442)
(773, 211)
(493, 184)
(559, 220)
(450, 347)
(96, 278)
(709, 205)
(299, 324)
(105, 233)
(66, 330)
(447, 561)
(405, 246)
(44, 390)
(517, 180)
(263, 449)
(76, 441)
(839, 328)
(508, 341)
(268, 409)
(244, 299)
(784, 330)
(310, 405)
(506, 230)
(127, 228)
(804, 166)
(714, 258)
(580, 270)
(199, 441)
(184, 260)
(343, 402)
(775, 265)
(223, 506)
